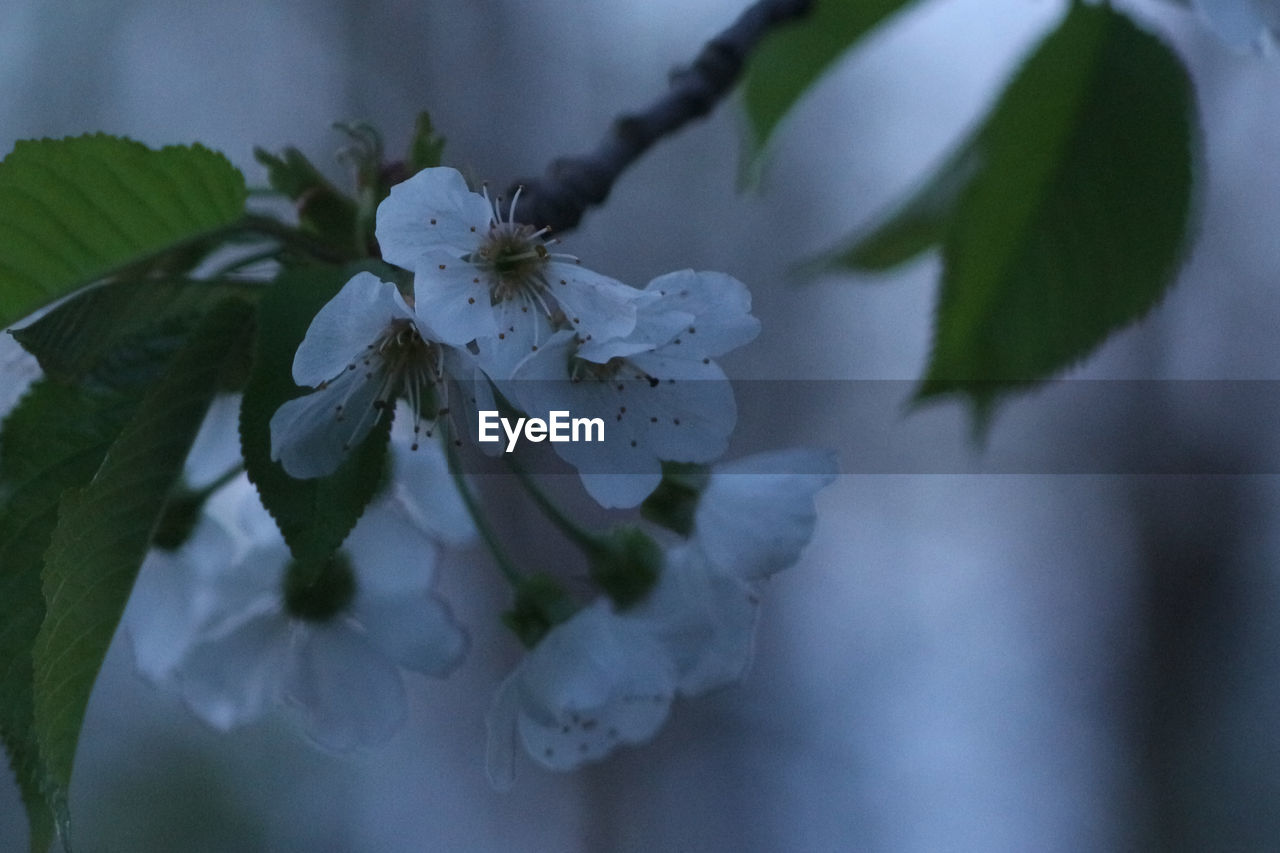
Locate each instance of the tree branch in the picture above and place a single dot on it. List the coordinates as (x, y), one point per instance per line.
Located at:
(573, 184)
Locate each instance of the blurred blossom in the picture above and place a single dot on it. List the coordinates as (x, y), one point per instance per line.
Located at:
(607, 677)
(240, 629)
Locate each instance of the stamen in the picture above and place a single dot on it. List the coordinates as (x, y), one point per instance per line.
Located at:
(511, 211)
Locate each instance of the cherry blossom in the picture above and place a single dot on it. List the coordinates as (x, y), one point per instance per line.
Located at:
(478, 274)
(607, 677)
(239, 628)
(363, 350)
(658, 389)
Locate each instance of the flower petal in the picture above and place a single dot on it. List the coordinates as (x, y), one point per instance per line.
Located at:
(707, 621)
(345, 693)
(452, 298)
(593, 683)
(311, 435)
(166, 608)
(392, 555)
(720, 304)
(431, 211)
(601, 306)
(423, 491)
(346, 326)
(417, 632)
(757, 513)
(232, 679)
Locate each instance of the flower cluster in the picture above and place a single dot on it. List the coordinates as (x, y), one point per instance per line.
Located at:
(501, 321)
(239, 628)
(607, 676)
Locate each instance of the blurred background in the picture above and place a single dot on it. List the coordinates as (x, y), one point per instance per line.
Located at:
(982, 661)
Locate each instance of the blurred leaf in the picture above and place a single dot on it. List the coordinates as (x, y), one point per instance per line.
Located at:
(323, 210)
(101, 537)
(918, 224)
(70, 339)
(315, 515)
(75, 210)
(1075, 222)
(427, 147)
(52, 441)
(795, 57)
(1062, 219)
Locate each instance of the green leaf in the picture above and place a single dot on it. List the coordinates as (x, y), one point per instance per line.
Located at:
(426, 149)
(323, 210)
(73, 211)
(314, 516)
(1062, 219)
(791, 60)
(102, 534)
(918, 224)
(53, 440)
(1075, 223)
(70, 339)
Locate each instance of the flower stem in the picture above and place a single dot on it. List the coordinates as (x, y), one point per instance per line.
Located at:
(581, 537)
(483, 527)
(226, 477)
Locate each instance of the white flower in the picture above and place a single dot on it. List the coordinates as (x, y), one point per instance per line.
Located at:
(594, 682)
(606, 677)
(753, 520)
(477, 275)
(363, 349)
(658, 389)
(1242, 24)
(234, 628)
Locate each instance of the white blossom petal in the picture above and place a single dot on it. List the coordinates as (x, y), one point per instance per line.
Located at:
(166, 608)
(234, 678)
(597, 306)
(693, 405)
(653, 407)
(623, 491)
(423, 491)
(757, 514)
(500, 723)
(593, 683)
(392, 556)
(417, 631)
(431, 211)
(312, 434)
(706, 620)
(345, 326)
(719, 303)
(344, 692)
(452, 298)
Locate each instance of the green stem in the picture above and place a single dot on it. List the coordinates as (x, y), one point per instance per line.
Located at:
(483, 527)
(223, 479)
(581, 537)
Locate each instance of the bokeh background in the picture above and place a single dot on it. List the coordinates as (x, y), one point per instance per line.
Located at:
(962, 661)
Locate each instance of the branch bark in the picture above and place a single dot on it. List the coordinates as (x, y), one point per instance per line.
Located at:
(573, 184)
